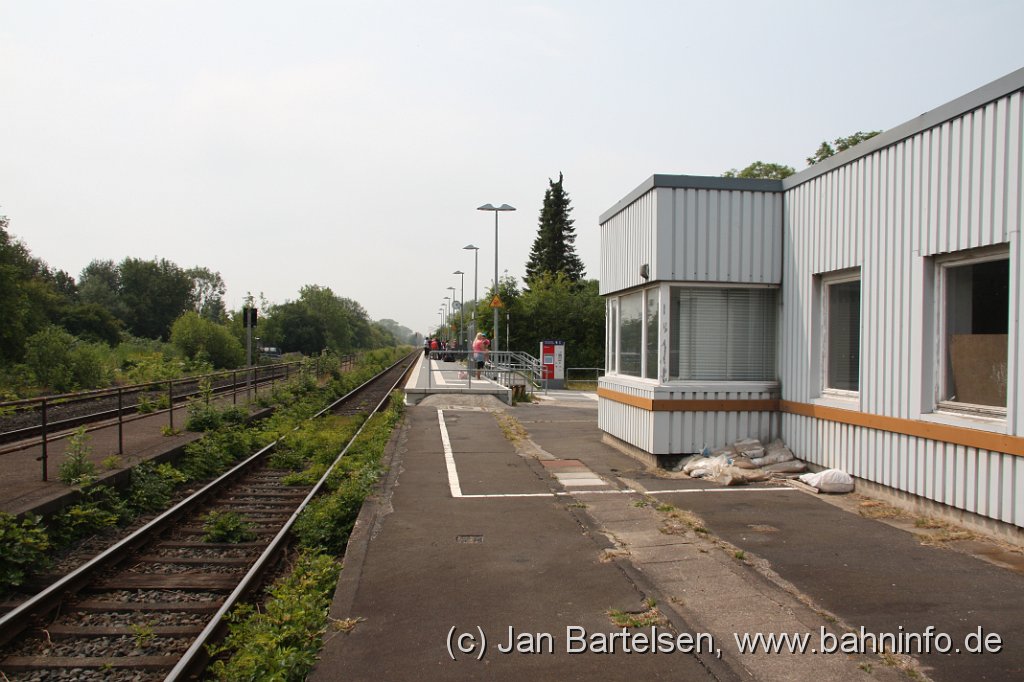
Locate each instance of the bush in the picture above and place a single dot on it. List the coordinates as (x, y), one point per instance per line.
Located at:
(200, 338)
(61, 362)
(77, 468)
(227, 526)
(101, 508)
(281, 641)
(23, 547)
(153, 486)
(48, 355)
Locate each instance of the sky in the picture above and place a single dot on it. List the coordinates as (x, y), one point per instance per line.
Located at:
(348, 143)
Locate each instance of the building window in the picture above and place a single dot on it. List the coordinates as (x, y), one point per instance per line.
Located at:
(974, 325)
(841, 323)
(631, 321)
(721, 334)
(652, 334)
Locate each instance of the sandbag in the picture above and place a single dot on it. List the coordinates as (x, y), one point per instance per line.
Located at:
(747, 445)
(774, 457)
(743, 462)
(732, 475)
(793, 466)
(829, 481)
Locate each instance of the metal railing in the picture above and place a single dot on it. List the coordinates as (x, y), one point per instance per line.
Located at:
(143, 400)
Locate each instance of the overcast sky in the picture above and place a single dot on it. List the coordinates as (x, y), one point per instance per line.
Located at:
(347, 143)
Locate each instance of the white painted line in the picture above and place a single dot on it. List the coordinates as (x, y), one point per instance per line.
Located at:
(449, 458)
(721, 490)
(456, 488)
(555, 494)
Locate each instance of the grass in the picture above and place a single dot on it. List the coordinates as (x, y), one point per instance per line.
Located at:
(873, 509)
(644, 619)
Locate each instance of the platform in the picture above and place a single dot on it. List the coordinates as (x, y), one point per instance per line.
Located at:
(495, 520)
(433, 376)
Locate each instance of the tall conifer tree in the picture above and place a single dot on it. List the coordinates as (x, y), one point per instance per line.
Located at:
(554, 248)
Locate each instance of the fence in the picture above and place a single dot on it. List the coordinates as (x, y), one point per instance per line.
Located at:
(58, 413)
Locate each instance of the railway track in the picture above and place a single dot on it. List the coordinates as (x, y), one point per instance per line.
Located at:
(147, 607)
(56, 416)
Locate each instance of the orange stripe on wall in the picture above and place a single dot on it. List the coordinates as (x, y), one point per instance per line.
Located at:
(650, 405)
(957, 435)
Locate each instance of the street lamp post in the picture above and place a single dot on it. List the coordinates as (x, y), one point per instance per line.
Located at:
(452, 319)
(447, 316)
(462, 308)
(476, 301)
(496, 209)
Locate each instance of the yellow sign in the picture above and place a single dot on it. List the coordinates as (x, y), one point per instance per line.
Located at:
(496, 302)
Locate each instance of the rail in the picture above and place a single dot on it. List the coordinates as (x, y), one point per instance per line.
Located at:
(145, 399)
(191, 664)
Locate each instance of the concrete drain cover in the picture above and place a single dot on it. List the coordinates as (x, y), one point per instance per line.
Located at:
(469, 539)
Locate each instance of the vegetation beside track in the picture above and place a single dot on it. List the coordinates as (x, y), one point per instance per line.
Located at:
(29, 546)
(281, 639)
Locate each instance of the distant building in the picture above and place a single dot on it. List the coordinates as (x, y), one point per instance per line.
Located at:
(866, 310)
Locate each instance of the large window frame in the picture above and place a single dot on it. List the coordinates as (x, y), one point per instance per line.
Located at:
(949, 271)
(832, 322)
(716, 342)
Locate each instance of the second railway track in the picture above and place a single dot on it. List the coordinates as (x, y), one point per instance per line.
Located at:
(147, 607)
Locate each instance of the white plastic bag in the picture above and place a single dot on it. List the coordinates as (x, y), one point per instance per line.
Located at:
(829, 481)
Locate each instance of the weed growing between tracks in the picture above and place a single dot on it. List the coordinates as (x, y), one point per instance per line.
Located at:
(281, 640)
(29, 546)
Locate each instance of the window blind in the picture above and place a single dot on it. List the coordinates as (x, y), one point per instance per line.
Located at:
(724, 334)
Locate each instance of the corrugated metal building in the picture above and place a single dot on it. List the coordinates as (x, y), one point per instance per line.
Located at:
(866, 310)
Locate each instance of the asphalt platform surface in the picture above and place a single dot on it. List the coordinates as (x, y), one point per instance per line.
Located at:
(500, 524)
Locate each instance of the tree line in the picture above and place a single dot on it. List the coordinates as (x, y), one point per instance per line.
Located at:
(142, 319)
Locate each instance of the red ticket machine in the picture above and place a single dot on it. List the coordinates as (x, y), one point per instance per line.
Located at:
(552, 357)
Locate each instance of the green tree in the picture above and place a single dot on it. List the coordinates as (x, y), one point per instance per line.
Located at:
(555, 307)
(155, 293)
(100, 284)
(29, 299)
(509, 293)
(208, 291)
(761, 170)
(91, 322)
(554, 247)
(840, 144)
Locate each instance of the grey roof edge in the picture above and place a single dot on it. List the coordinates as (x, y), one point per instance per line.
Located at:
(690, 182)
(998, 88)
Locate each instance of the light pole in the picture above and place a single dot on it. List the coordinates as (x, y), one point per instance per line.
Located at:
(448, 314)
(462, 309)
(476, 301)
(452, 316)
(496, 209)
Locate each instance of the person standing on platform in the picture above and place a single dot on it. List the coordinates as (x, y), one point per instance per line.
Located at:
(481, 349)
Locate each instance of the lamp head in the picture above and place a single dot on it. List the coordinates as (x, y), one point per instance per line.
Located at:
(470, 247)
